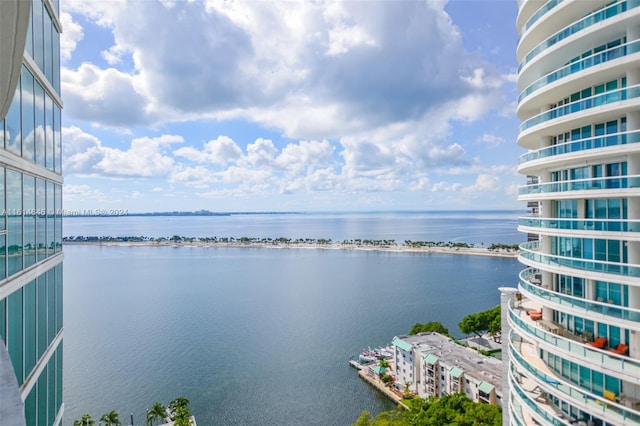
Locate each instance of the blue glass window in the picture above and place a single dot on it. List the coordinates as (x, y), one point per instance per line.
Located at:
(28, 114)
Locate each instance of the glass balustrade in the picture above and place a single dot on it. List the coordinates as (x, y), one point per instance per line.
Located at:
(540, 13)
(583, 64)
(530, 252)
(568, 392)
(586, 22)
(573, 349)
(563, 300)
(535, 406)
(582, 145)
(582, 105)
(604, 225)
(624, 182)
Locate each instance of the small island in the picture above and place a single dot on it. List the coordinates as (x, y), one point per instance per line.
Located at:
(450, 247)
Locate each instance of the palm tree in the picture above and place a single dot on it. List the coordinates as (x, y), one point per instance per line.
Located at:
(111, 419)
(157, 412)
(179, 402)
(384, 363)
(180, 412)
(86, 420)
(182, 416)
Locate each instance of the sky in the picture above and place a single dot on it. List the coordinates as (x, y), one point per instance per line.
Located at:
(231, 105)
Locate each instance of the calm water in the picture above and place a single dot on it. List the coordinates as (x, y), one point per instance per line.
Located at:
(472, 227)
(257, 336)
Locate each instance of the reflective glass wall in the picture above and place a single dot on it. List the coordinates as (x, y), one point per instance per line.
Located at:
(31, 222)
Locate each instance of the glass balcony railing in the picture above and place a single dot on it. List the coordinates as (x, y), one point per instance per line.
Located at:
(574, 349)
(586, 22)
(530, 251)
(582, 185)
(540, 13)
(533, 405)
(583, 105)
(563, 300)
(585, 144)
(604, 225)
(569, 392)
(515, 408)
(583, 64)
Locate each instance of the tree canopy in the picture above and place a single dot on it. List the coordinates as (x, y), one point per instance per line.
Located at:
(448, 410)
(481, 322)
(430, 326)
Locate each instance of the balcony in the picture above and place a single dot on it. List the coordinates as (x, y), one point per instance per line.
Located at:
(540, 13)
(581, 105)
(581, 65)
(593, 184)
(609, 407)
(598, 225)
(530, 286)
(622, 272)
(555, 339)
(586, 22)
(540, 410)
(579, 145)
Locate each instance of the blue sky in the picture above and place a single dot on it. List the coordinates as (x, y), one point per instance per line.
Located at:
(231, 105)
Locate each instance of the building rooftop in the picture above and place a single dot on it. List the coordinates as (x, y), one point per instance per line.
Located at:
(470, 361)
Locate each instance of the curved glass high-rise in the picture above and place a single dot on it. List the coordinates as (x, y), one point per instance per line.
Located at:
(30, 214)
(573, 325)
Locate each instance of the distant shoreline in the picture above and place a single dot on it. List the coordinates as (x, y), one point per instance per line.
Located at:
(397, 248)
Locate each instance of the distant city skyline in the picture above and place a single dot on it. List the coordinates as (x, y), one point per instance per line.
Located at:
(289, 106)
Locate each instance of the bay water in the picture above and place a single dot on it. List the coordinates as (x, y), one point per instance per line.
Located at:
(260, 336)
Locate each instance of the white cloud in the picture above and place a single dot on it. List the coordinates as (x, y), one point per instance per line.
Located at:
(492, 140)
(81, 151)
(143, 158)
(84, 154)
(315, 70)
(484, 183)
(70, 37)
(446, 187)
(81, 192)
(222, 150)
(103, 97)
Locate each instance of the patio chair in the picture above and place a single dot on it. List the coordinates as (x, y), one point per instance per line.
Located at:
(621, 349)
(599, 343)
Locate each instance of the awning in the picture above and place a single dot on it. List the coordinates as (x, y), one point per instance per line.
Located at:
(485, 387)
(456, 372)
(431, 359)
(402, 344)
(379, 370)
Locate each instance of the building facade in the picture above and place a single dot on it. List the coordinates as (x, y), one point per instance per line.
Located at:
(572, 333)
(30, 214)
(430, 364)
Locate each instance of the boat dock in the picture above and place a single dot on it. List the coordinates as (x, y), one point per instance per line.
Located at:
(367, 372)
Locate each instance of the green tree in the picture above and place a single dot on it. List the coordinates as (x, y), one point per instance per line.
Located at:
(428, 327)
(180, 411)
(157, 412)
(112, 418)
(365, 419)
(384, 363)
(182, 416)
(179, 402)
(85, 420)
(481, 322)
(448, 410)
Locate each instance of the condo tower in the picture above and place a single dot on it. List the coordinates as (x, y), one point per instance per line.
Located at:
(30, 214)
(572, 328)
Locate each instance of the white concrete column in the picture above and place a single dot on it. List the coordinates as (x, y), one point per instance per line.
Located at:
(507, 296)
(590, 290)
(545, 141)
